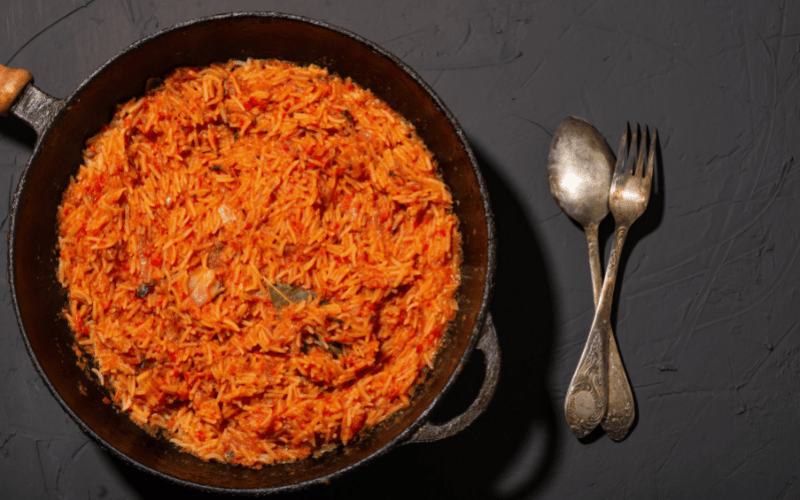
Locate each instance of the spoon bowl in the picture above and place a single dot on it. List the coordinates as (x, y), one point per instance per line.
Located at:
(579, 169)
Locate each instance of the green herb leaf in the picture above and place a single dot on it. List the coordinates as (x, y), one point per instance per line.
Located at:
(281, 295)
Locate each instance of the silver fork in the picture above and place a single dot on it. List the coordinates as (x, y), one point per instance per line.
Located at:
(628, 197)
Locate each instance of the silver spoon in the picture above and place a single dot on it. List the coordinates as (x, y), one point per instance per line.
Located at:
(579, 169)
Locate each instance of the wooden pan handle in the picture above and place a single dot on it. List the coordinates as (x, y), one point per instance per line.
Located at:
(12, 81)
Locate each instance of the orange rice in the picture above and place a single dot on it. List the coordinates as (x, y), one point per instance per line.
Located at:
(222, 183)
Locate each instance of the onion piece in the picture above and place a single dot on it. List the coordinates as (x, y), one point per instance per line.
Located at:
(226, 213)
(203, 286)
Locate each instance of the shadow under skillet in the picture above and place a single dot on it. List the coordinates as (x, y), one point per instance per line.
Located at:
(16, 130)
(473, 463)
(524, 314)
(23, 137)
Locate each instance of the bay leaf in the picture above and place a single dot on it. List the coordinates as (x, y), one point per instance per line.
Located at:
(281, 294)
(335, 348)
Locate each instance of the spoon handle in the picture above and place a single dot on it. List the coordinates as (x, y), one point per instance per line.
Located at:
(587, 395)
(620, 410)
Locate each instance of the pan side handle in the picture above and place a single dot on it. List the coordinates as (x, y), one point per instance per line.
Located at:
(490, 347)
(21, 98)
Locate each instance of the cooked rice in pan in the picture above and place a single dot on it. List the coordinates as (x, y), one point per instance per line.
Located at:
(260, 260)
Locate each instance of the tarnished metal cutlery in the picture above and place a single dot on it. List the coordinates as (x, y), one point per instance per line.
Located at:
(586, 183)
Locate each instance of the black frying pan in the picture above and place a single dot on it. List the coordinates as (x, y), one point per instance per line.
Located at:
(63, 126)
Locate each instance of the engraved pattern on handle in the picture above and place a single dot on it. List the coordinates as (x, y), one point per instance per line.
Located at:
(628, 197)
(620, 411)
(603, 314)
(587, 395)
(616, 424)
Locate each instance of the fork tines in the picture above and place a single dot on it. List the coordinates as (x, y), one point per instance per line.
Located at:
(626, 158)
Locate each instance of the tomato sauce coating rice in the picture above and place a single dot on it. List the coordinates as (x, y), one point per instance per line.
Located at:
(260, 260)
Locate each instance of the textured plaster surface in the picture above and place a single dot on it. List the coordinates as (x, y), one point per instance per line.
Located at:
(708, 306)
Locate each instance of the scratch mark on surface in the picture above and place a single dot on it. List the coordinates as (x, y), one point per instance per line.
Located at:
(402, 37)
(564, 32)
(129, 11)
(651, 384)
(551, 217)
(466, 37)
(720, 157)
(34, 37)
(693, 392)
(678, 265)
(781, 493)
(768, 140)
(746, 460)
(546, 131)
(7, 439)
(675, 445)
(743, 407)
(436, 78)
(783, 274)
(10, 197)
(586, 105)
(617, 32)
(717, 267)
(535, 69)
(40, 460)
(588, 8)
(705, 207)
(486, 64)
(80, 449)
(753, 371)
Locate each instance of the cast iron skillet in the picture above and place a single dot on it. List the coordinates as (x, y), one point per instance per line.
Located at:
(63, 127)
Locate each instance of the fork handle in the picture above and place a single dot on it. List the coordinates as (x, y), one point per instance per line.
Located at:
(620, 411)
(602, 315)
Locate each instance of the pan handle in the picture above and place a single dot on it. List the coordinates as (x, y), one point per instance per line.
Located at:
(491, 352)
(19, 96)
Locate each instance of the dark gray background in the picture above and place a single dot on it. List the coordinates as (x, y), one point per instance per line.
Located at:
(707, 314)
